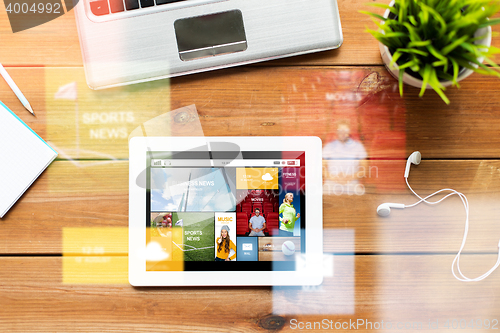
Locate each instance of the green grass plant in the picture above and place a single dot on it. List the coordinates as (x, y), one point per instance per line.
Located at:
(433, 40)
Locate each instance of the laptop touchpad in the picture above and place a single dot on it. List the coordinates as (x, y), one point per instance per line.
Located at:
(210, 35)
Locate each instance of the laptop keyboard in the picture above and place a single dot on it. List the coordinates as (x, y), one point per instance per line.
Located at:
(106, 7)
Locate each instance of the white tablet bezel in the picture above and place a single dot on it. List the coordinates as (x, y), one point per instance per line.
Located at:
(309, 265)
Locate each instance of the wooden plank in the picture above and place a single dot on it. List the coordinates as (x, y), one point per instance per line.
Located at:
(93, 194)
(398, 288)
(56, 43)
(406, 289)
(268, 102)
(68, 194)
(454, 131)
(311, 101)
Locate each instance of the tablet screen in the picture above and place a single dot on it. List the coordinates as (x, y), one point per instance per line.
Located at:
(225, 211)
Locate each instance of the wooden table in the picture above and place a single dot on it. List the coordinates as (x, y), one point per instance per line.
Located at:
(385, 270)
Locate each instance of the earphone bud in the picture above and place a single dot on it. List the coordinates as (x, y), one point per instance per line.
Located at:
(414, 158)
(385, 208)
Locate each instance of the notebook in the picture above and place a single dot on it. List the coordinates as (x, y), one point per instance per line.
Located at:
(23, 157)
(130, 41)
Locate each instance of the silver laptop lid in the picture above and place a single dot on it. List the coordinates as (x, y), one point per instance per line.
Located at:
(131, 41)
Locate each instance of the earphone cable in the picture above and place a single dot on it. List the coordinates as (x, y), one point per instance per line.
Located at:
(456, 260)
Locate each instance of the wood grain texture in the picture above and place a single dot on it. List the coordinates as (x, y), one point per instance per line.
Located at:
(375, 288)
(394, 269)
(95, 194)
(267, 102)
(56, 43)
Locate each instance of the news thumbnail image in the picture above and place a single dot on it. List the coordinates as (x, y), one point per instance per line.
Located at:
(191, 190)
(269, 202)
(183, 236)
(225, 237)
(278, 248)
(257, 212)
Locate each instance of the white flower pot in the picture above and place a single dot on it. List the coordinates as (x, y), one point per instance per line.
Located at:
(412, 81)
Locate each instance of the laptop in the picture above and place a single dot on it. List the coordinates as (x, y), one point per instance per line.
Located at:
(225, 211)
(132, 41)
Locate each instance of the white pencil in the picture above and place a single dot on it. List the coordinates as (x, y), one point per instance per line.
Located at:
(16, 90)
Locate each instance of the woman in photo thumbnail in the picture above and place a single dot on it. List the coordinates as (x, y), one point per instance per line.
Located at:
(225, 245)
(289, 216)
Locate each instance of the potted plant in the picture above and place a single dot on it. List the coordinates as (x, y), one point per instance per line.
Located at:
(433, 44)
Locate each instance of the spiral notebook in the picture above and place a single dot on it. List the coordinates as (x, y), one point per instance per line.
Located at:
(23, 157)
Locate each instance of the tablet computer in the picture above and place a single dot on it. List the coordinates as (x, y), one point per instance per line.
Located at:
(225, 211)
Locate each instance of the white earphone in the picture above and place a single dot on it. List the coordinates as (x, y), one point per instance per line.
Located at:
(385, 209)
(414, 158)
